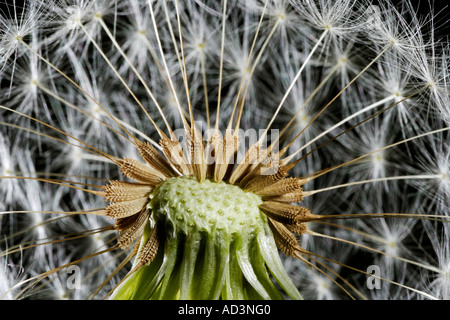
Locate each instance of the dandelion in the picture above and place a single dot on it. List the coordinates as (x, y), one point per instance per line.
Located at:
(222, 150)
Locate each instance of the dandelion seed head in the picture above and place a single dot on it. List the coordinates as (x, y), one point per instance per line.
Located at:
(378, 162)
(74, 16)
(323, 288)
(337, 17)
(393, 245)
(100, 90)
(281, 13)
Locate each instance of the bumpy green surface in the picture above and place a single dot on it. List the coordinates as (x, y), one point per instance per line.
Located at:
(216, 244)
(206, 206)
